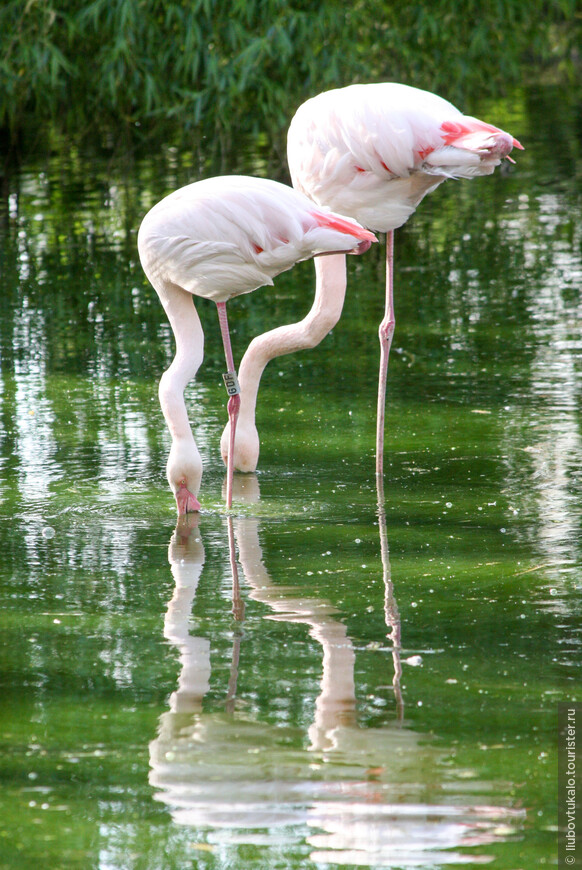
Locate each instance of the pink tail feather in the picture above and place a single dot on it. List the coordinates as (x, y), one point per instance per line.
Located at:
(343, 225)
(474, 135)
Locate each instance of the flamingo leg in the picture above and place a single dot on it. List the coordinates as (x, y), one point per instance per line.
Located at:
(385, 333)
(233, 391)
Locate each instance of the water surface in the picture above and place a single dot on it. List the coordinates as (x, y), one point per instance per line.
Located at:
(385, 692)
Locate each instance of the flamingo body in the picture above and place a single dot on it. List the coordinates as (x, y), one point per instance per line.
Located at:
(374, 151)
(371, 152)
(219, 238)
(225, 236)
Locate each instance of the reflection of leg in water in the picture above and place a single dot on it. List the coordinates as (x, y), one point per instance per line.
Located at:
(238, 611)
(186, 557)
(391, 613)
(238, 607)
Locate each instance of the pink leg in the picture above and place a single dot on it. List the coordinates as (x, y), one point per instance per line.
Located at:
(234, 401)
(385, 332)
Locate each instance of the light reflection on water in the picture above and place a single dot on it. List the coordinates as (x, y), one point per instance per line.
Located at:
(544, 438)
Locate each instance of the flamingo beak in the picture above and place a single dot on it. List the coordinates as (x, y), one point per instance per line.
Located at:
(363, 247)
(186, 502)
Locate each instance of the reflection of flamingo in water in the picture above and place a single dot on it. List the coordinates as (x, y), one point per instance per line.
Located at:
(372, 152)
(220, 238)
(186, 557)
(336, 704)
(218, 771)
(194, 676)
(337, 700)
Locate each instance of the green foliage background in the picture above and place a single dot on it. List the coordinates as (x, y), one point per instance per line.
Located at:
(121, 72)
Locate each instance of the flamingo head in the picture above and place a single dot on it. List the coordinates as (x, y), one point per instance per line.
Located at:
(186, 501)
(246, 445)
(184, 473)
(362, 247)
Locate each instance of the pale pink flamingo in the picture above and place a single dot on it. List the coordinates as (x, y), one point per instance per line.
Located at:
(219, 238)
(371, 152)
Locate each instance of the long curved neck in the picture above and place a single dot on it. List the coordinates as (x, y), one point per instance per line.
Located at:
(330, 290)
(187, 329)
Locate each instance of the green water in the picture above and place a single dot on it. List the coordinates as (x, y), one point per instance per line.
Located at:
(142, 725)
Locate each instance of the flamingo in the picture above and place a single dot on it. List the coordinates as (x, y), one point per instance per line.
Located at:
(219, 238)
(372, 152)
